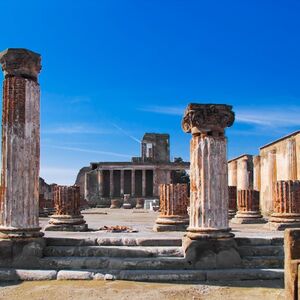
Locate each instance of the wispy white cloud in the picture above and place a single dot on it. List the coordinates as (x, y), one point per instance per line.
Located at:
(75, 129)
(166, 110)
(75, 149)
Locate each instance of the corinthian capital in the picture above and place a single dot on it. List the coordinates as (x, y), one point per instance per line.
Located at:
(21, 63)
(205, 118)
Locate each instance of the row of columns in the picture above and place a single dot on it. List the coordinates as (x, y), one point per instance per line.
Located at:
(111, 182)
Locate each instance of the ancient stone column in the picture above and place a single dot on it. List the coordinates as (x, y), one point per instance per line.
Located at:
(133, 183)
(209, 242)
(256, 173)
(173, 208)
(122, 183)
(20, 144)
(286, 206)
(111, 183)
(272, 178)
(232, 201)
(232, 173)
(292, 160)
(208, 169)
(100, 182)
(144, 183)
(67, 210)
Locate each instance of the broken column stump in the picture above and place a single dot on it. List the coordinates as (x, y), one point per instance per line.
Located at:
(209, 241)
(173, 208)
(67, 210)
(248, 208)
(286, 206)
(232, 201)
(19, 217)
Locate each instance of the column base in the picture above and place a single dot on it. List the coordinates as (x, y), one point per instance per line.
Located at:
(208, 233)
(115, 204)
(231, 214)
(15, 233)
(249, 217)
(127, 205)
(66, 223)
(279, 221)
(211, 253)
(171, 223)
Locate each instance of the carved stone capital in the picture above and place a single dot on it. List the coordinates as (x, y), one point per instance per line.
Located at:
(20, 63)
(205, 118)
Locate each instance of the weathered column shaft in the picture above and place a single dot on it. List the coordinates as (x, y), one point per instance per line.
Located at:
(232, 173)
(286, 206)
(272, 178)
(292, 160)
(248, 200)
(256, 173)
(173, 199)
(173, 208)
(144, 183)
(232, 201)
(20, 141)
(111, 183)
(208, 179)
(133, 183)
(242, 174)
(100, 182)
(122, 183)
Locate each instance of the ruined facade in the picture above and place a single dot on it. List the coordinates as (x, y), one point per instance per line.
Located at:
(139, 178)
(275, 169)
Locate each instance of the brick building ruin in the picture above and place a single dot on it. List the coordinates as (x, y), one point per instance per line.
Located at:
(139, 178)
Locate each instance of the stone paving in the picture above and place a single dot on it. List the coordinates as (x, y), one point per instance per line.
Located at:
(143, 221)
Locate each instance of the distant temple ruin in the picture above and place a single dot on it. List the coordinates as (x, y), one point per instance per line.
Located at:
(139, 178)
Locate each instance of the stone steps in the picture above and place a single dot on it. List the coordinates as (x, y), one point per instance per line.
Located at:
(113, 251)
(263, 261)
(261, 250)
(115, 241)
(114, 263)
(143, 275)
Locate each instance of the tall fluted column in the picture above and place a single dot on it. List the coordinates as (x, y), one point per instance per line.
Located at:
(232, 173)
(122, 183)
(20, 144)
(67, 210)
(100, 182)
(243, 182)
(111, 183)
(292, 159)
(144, 183)
(208, 169)
(272, 178)
(256, 173)
(286, 206)
(173, 208)
(133, 183)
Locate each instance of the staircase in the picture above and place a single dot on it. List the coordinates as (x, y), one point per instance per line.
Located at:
(155, 260)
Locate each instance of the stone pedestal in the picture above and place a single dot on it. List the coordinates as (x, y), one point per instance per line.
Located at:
(232, 201)
(126, 203)
(19, 217)
(140, 203)
(209, 242)
(248, 208)
(67, 210)
(286, 206)
(114, 203)
(173, 208)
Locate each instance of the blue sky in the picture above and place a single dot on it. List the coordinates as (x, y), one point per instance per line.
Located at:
(115, 69)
